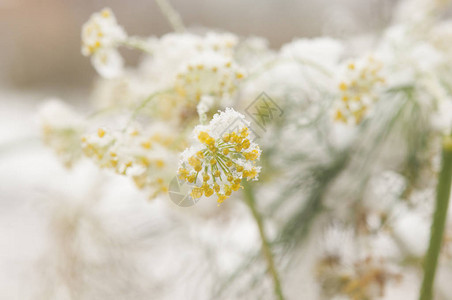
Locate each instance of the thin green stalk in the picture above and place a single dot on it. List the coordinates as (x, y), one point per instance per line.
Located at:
(439, 221)
(266, 250)
(171, 14)
(143, 105)
(138, 44)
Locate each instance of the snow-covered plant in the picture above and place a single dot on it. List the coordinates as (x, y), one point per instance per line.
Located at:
(334, 148)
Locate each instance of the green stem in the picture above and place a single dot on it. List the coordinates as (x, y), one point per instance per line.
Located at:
(143, 105)
(439, 221)
(138, 44)
(171, 14)
(266, 250)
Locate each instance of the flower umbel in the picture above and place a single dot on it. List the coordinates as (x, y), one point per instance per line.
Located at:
(358, 90)
(100, 37)
(146, 156)
(211, 74)
(225, 154)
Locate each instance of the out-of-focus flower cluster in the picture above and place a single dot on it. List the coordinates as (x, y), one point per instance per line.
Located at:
(148, 157)
(357, 90)
(101, 35)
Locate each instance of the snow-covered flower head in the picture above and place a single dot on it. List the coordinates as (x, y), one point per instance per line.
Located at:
(358, 87)
(224, 155)
(210, 74)
(101, 35)
(144, 155)
(172, 52)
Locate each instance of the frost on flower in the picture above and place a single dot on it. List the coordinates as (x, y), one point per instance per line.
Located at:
(146, 156)
(61, 130)
(101, 36)
(210, 74)
(358, 89)
(172, 52)
(223, 156)
(194, 65)
(205, 104)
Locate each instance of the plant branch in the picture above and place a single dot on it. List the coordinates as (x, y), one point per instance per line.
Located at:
(439, 221)
(266, 250)
(172, 15)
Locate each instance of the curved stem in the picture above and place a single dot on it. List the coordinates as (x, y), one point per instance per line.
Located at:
(172, 15)
(266, 250)
(439, 221)
(138, 44)
(143, 105)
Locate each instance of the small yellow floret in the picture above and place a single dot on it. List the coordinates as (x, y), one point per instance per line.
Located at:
(105, 13)
(252, 155)
(101, 132)
(196, 193)
(342, 86)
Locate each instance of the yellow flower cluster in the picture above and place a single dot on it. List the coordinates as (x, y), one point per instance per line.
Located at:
(219, 165)
(101, 31)
(213, 75)
(145, 158)
(358, 90)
